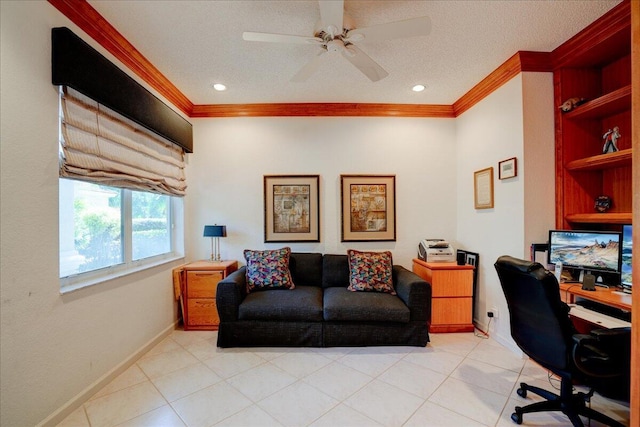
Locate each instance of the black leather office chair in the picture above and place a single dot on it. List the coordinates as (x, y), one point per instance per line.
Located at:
(541, 327)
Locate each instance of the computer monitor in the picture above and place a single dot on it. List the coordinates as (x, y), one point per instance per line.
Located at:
(596, 252)
(627, 245)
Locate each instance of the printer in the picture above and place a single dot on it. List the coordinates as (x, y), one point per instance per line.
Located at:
(436, 250)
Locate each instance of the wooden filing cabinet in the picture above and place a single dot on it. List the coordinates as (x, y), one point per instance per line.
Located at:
(199, 282)
(451, 294)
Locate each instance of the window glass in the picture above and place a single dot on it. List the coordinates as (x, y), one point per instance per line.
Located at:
(90, 227)
(151, 226)
(106, 230)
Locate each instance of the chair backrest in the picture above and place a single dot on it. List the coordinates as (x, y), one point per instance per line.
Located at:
(540, 323)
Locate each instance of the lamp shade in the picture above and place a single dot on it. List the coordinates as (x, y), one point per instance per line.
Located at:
(215, 231)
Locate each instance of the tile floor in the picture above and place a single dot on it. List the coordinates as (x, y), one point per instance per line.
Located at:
(457, 380)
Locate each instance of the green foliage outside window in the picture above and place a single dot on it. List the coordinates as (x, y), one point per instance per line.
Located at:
(98, 235)
(98, 229)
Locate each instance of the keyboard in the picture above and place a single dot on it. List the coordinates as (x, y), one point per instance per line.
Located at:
(608, 310)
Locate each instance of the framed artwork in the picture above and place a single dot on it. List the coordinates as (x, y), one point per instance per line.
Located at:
(483, 189)
(508, 168)
(368, 208)
(291, 208)
(472, 259)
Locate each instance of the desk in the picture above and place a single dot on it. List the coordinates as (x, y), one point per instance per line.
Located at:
(611, 296)
(583, 319)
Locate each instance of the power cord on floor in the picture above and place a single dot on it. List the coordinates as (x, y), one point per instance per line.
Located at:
(482, 334)
(552, 377)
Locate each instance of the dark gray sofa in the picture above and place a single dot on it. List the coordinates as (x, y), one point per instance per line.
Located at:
(320, 311)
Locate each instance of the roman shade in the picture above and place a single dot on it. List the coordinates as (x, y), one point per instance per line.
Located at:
(102, 146)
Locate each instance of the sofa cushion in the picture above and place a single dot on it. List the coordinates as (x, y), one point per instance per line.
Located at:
(306, 268)
(370, 271)
(304, 303)
(268, 269)
(335, 271)
(340, 304)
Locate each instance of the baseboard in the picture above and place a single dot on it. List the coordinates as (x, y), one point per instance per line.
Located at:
(506, 341)
(65, 410)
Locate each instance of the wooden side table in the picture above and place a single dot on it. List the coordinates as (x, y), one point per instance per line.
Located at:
(451, 294)
(198, 283)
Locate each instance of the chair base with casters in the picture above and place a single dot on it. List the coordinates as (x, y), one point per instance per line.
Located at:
(571, 404)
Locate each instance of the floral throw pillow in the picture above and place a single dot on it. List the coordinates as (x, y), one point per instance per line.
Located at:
(370, 271)
(268, 269)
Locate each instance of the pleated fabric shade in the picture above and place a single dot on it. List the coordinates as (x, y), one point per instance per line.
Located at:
(102, 146)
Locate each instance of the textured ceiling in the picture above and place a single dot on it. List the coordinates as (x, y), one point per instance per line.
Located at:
(198, 43)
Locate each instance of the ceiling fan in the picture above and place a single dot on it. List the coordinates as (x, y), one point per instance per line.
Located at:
(335, 33)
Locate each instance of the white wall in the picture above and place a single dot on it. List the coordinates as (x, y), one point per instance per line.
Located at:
(498, 128)
(539, 157)
(225, 176)
(53, 346)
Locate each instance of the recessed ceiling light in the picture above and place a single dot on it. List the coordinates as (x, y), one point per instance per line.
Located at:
(219, 87)
(418, 88)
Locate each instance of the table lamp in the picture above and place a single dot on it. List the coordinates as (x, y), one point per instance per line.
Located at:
(215, 232)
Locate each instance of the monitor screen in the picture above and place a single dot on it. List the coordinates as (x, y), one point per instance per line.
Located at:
(586, 250)
(627, 244)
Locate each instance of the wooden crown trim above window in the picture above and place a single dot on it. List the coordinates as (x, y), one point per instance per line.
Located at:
(98, 28)
(95, 25)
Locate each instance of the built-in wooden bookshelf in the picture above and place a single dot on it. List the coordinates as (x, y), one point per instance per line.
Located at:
(594, 65)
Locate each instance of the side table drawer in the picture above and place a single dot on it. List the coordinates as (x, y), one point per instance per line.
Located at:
(202, 311)
(202, 284)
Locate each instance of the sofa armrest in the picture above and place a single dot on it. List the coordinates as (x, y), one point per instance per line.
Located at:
(230, 293)
(414, 291)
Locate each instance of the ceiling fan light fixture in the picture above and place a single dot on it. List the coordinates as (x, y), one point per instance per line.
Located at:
(418, 88)
(219, 87)
(335, 32)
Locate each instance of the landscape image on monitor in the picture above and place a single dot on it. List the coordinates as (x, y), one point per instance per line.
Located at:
(598, 251)
(626, 255)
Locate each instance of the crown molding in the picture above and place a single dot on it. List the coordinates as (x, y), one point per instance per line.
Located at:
(98, 28)
(323, 109)
(521, 61)
(608, 35)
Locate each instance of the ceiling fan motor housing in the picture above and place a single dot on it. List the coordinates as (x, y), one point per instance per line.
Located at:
(335, 45)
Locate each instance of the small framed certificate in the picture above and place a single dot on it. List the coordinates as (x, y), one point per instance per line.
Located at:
(483, 188)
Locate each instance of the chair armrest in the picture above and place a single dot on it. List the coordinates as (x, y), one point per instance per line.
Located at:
(616, 337)
(414, 291)
(604, 353)
(230, 293)
(589, 343)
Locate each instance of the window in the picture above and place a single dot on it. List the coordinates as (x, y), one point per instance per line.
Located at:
(107, 230)
(120, 194)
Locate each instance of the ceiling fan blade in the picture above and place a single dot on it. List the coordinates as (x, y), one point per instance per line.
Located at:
(331, 15)
(279, 38)
(392, 30)
(364, 63)
(309, 69)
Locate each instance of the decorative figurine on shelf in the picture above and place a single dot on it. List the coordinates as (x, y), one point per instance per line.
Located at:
(603, 203)
(610, 137)
(571, 103)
